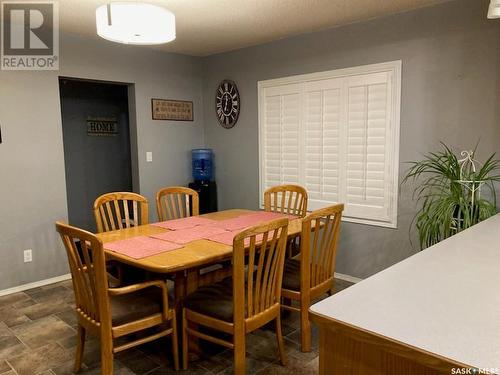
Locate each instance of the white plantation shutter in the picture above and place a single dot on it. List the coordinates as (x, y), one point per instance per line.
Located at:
(337, 134)
(281, 109)
(290, 122)
(321, 141)
(368, 122)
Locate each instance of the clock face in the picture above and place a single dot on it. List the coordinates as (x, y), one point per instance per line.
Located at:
(227, 104)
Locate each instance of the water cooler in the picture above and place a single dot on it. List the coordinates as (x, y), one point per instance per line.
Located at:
(203, 175)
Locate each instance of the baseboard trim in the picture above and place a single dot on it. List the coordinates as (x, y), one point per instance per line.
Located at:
(36, 284)
(348, 278)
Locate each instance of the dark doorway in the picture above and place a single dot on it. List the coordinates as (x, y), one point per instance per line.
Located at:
(96, 135)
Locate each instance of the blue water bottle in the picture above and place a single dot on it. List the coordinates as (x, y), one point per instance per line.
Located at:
(202, 164)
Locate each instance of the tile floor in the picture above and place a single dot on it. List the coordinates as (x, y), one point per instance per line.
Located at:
(38, 337)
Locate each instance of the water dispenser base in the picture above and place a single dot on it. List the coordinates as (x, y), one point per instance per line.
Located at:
(207, 191)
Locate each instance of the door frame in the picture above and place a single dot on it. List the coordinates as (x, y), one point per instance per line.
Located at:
(132, 119)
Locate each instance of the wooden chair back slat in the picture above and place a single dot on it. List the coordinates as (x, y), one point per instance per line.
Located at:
(88, 272)
(319, 252)
(271, 275)
(118, 214)
(176, 202)
(250, 281)
(110, 219)
(127, 216)
(286, 199)
(182, 206)
(135, 211)
(112, 211)
(259, 281)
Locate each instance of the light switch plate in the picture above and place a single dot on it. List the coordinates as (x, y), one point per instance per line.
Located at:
(149, 156)
(28, 256)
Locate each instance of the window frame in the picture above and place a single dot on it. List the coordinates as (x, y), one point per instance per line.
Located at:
(394, 67)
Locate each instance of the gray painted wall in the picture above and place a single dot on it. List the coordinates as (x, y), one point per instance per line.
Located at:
(32, 182)
(450, 93)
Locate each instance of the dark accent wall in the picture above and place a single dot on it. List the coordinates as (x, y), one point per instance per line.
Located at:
(94, 164)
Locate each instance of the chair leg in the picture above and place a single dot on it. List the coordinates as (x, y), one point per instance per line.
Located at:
(285, 302)
(106, 355)
(289, 249)
(305, 328)
(292, 248)
(80, 346)
(331, 291)
(119, 274)
(185, 352)
(239, 354)
(279, 338)
(175, 343)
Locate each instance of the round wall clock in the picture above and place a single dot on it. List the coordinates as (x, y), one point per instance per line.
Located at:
(227, 104)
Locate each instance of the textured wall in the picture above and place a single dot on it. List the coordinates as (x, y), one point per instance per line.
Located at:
(450, 92)
(32, 188)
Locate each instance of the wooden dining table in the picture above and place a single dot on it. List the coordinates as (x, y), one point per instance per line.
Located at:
(186, 262)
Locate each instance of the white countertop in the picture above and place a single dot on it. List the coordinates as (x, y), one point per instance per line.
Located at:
(445, 299)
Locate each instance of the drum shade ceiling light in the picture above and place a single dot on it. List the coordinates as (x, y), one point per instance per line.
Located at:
(494, 9)
(135, 23)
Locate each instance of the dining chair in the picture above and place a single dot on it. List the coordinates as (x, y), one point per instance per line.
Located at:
(112, 313)
(286, 199)
(120, 210)
(310, 274)
(176, 202)
(248, 300)
(113, 211)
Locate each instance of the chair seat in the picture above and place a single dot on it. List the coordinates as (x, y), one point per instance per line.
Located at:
(214, 300)
(291, 274)
(133, 306)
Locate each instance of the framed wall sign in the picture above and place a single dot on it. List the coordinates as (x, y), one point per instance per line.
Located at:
(175, 110)
(102, 126)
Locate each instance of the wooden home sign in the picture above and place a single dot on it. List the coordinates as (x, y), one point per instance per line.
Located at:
(102, 126)
(175, 110)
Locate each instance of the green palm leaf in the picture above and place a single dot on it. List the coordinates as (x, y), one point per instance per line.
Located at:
(449, 205)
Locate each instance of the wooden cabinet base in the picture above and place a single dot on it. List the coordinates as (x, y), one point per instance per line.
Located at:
(347, 350)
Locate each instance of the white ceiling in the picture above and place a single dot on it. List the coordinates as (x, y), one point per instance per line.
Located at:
(206, 27)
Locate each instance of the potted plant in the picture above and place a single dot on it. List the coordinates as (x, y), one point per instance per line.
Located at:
(454, 193)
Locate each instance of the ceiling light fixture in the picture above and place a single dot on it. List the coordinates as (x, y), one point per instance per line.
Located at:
(494, 9)
(135, 23)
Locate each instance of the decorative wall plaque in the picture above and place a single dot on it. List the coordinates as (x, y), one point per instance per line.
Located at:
(176, 110)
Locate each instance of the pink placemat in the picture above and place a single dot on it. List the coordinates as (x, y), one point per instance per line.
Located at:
(184, 223)
(250, 219)
(141, 247)
(185, 236)
(227, 238)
